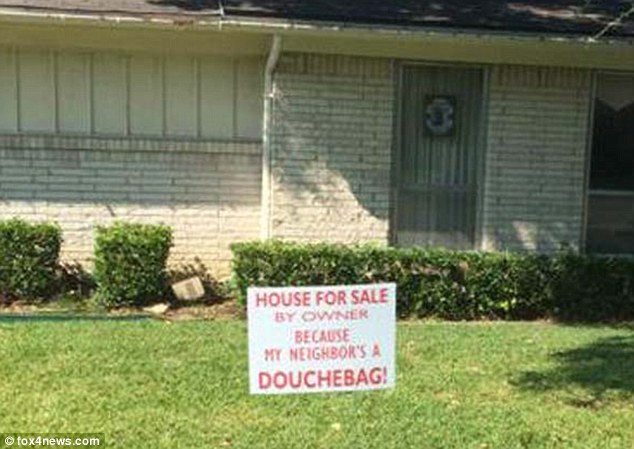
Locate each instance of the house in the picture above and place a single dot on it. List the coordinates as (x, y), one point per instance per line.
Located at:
(493, 125)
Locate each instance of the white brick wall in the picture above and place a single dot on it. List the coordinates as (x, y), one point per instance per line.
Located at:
(535, 165)
(209, 192)
(331, 140)
(331, 148)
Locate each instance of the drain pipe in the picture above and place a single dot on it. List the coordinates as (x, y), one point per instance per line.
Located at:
(271, 64)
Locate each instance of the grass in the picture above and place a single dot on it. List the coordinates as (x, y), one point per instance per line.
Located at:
(151, 384)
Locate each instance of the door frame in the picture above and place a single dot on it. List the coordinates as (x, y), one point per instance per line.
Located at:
(397, 147)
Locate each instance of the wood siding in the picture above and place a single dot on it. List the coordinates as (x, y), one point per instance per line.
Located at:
(130, 94)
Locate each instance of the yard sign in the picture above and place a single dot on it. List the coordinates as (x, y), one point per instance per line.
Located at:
(317, 339)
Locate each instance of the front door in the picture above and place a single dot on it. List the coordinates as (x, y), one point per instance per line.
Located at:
(440, 153)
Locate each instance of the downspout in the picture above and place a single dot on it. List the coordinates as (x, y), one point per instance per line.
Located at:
(271, 64)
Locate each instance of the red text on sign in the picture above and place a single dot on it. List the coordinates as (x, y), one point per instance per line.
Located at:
(318, 379)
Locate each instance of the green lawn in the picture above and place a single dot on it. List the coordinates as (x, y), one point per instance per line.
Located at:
(151, 384)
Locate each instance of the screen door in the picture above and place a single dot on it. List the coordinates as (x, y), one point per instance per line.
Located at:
(439, 138)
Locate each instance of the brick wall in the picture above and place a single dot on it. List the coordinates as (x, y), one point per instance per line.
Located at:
(535, 166)
(209, 192)
(331, 141)
(331, 148)
(332, 145)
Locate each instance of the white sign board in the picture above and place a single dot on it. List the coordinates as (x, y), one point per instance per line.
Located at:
(317, 339)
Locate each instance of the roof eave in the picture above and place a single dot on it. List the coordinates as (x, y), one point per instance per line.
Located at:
(306, 27)
(107, 19)
(351, 29)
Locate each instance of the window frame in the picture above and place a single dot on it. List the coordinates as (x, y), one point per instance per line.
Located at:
(598, 192)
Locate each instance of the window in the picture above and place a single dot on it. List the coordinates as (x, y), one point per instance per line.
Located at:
(611, 202)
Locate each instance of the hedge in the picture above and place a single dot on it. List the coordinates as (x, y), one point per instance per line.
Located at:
(29, 256)
(451, 285)
(593, 288)
(130, 263)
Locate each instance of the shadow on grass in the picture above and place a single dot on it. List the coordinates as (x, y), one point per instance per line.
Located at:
(62, 317)
(603, 370)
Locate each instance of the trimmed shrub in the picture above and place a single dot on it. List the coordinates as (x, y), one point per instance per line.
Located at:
(29, 256)
(431, 283)
(452, 285)
(130, 263)
(587, 288)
